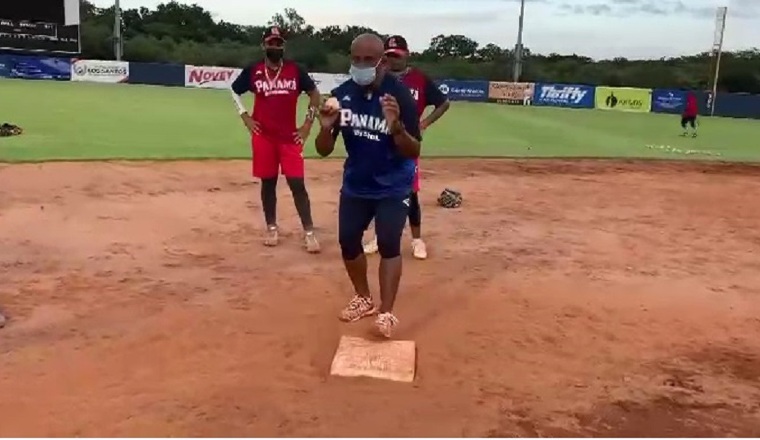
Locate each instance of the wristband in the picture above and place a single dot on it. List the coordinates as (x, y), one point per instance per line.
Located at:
(311, 113)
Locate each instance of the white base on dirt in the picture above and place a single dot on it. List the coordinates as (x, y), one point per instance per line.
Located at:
(389, 360)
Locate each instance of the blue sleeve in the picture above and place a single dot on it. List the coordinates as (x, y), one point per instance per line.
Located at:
(305, 82)
(242, 83)
(408, 108)
(433, 94)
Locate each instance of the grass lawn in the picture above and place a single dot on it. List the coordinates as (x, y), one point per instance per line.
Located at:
(75, 121)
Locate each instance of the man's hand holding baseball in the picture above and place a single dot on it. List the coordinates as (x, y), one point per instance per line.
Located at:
(328, 114)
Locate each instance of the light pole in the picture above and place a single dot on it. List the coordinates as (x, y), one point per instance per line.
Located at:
(117, 43)
(720, 28)
(519, 46)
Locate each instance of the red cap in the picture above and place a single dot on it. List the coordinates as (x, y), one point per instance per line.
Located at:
(273, 33)
(396, 44)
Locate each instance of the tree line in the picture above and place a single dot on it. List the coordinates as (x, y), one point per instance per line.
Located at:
(188, 34)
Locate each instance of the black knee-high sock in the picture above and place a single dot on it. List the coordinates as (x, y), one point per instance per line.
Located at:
(301, 200)
(269, 200)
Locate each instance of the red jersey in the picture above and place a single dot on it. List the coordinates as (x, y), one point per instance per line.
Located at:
(691, 109)
(276, 95)
(424, 90)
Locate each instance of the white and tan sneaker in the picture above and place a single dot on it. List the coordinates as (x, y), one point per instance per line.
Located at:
(273, 236)
(370, 247)
(358, 308)
(311, 243)
(384, 323)
(419, 250)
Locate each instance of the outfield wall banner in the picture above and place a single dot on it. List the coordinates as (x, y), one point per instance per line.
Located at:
(157, 74)
(626, 99)
(100, 71)
(5, 66)
(668, 101)
(326, 82)
(210, 77)
(474, 91)
(737, 105)
(36, 67)
(516, 93)
(564, 95)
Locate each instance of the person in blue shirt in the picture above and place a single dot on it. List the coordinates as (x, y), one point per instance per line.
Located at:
(377, 118)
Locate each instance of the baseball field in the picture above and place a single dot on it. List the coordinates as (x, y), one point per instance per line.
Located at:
(583, 288)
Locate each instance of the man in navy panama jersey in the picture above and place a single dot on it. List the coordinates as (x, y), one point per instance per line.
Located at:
(377, 118)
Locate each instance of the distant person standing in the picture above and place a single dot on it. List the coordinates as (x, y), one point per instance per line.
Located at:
(276, 143)
(689, 115)
(425, 93)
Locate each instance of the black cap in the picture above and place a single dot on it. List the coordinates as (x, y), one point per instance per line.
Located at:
(273, 33)
(396, 44)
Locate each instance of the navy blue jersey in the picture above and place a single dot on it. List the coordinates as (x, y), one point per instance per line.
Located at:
(374, 168)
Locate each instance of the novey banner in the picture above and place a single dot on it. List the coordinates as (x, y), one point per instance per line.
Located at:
(210, 77)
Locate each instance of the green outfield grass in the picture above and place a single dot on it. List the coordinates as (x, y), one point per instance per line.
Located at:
(77, 121)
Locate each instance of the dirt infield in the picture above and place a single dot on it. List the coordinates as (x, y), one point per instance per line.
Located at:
(586, 298)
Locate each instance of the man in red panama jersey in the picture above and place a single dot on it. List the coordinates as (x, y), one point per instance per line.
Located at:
(276, 143)
(425, 93)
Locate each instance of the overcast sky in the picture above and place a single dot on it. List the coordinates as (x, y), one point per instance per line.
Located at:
(597, 28)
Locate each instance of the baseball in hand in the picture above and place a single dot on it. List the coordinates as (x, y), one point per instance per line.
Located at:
(332, 103)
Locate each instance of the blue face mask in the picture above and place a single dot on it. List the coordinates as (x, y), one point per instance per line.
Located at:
(363, 75)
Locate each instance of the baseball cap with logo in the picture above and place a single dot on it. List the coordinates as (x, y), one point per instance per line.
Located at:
(397, 45)
(272, 34)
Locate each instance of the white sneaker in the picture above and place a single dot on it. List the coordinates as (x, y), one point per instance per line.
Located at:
(384, 323)
(370, 247)
(272, 237)
(419, 250)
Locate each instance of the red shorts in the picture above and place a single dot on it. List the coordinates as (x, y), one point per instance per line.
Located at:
(270, 156)
(416, 181)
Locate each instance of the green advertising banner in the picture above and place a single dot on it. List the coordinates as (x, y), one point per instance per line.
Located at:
(626, 99)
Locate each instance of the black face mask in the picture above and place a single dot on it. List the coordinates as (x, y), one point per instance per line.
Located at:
(274, 55)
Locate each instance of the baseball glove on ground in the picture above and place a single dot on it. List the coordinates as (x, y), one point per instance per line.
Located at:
(450, 198)
(10, 130)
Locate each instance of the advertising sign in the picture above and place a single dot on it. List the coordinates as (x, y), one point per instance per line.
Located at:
(475, 91)
(326, 82)
(668, 101)
(34, 67)
(517, 93)
(626, 99)
(210, 77)
(100, 71)
(564, 95)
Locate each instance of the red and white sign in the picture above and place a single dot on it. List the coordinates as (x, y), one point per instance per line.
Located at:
(210, 77)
